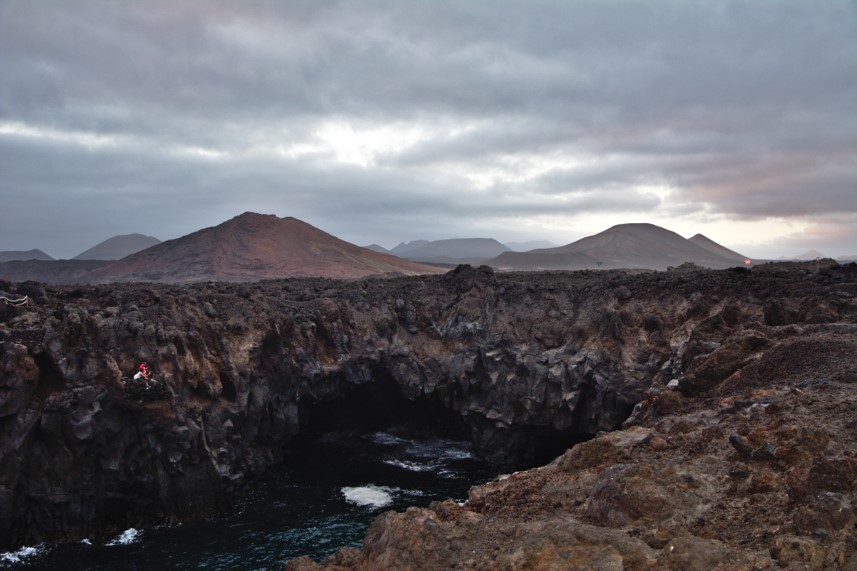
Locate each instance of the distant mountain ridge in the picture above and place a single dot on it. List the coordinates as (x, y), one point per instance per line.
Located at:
(805, 257)
(23, 255)
(49, 271)
(638, 245)
(451, 249)
(377, 248)
(402, 249)
(531, 245)
(256, 246)
(118, 247)
(714, 247)
(252, 247)
(459, 248)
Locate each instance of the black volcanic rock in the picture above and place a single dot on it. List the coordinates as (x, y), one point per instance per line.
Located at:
(530, 364)
(754, 468)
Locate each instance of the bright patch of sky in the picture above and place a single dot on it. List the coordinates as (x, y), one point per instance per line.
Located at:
(385, 121)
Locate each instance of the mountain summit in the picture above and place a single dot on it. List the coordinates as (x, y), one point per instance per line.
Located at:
(17, 255)
(713, 247)
(118, 247)
(452, 249)
(252, 247)
(625, 246)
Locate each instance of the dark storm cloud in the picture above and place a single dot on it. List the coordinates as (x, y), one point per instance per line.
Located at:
(180, 114)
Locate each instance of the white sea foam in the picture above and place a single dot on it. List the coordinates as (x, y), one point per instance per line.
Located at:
(409, 466)
(127, 537)
(458, 454)
(387, 439)
(22, 554)
(440, 448)
(447, 474)
(459, 450)
(370, 495)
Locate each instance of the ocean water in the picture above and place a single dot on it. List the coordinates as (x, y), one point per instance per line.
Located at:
(323, 497)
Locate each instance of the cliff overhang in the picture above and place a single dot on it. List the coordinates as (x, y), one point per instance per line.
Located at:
(526, 365)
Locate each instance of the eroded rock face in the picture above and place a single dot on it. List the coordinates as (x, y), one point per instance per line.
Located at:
(670, 491)
(530, 363)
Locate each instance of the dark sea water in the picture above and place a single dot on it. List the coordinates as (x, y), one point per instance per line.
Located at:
(323, 497)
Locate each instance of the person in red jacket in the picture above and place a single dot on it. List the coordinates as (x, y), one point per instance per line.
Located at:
(142, 373)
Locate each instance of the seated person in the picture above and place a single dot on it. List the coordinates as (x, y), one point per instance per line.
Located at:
(142, 373)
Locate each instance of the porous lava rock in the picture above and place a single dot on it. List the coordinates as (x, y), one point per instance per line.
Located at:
(756, 468)
(528, 364)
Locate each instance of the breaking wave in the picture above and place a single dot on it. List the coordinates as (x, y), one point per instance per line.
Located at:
(371, 495)
(445, 459)
(23, 554)
(319, 501)
(127, 537)
(440, 449)
(410, 466)
(387, 439)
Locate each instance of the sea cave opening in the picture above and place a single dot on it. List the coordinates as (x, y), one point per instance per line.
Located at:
(342, 436)
(379, 407)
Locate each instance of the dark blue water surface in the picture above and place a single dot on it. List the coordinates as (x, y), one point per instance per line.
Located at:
(323, 497)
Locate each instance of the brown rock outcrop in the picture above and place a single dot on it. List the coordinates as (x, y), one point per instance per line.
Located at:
(756, 469)
(618, 502)
(528, 364)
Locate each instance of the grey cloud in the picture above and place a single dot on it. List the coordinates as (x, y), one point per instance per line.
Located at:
(744, 109)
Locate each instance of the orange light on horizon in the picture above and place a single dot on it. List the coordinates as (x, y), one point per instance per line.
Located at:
(747, 262)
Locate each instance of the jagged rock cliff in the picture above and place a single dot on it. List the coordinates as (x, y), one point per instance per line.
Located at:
(529, 364)
(746, 459)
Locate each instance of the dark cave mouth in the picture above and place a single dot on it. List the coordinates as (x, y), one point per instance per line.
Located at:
(380, 407)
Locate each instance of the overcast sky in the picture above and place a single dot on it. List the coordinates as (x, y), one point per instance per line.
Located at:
(382, 122)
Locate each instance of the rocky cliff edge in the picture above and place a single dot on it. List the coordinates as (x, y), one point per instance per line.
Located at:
(749, 457)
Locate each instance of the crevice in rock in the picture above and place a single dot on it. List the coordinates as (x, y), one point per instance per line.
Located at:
(229, 390)
(50, 377)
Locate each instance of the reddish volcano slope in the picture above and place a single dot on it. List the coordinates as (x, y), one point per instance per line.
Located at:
(255, 246)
